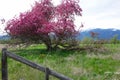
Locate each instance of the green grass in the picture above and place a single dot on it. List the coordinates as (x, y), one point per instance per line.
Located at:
(78, 65)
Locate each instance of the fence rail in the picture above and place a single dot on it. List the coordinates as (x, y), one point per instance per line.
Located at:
(46, 70)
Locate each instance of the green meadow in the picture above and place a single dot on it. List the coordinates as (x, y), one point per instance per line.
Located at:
(76, 64)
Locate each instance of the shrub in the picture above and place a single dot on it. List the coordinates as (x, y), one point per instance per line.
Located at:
(44, 18)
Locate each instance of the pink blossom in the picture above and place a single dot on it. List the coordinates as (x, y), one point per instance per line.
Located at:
(44, 18)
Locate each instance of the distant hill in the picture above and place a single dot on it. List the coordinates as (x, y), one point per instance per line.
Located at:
(4, 37)
(102, 33)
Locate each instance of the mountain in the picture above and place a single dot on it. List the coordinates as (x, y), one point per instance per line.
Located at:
(4, 37)
(102, 33)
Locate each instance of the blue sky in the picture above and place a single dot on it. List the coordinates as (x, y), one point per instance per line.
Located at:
(96, 13)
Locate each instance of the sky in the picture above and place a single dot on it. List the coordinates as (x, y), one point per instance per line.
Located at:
(96, 13)
(101, 13)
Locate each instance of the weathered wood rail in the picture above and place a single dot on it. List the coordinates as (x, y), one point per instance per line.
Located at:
(46, 70)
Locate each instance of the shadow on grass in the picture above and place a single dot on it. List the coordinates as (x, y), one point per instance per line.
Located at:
(36, 52)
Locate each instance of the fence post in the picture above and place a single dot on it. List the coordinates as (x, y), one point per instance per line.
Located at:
(4, 64)
(47, 73)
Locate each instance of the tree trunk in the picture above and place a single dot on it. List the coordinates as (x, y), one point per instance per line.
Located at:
(46, 40)
(49, 47)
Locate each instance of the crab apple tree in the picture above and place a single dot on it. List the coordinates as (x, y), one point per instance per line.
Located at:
(45, 20)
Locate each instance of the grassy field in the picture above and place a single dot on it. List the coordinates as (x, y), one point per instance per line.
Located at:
(78, 65)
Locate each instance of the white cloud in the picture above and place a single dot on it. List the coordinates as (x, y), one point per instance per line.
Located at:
(101, 13)
(96, 13)
(11, 8)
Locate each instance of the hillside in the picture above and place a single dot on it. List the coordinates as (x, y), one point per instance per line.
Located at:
(4, 37)
(102, 33)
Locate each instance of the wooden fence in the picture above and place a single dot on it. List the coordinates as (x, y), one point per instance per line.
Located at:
(46, 70)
